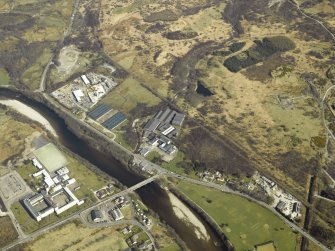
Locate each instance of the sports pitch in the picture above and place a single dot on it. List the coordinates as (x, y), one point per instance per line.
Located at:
(50, 157)
(245, 223)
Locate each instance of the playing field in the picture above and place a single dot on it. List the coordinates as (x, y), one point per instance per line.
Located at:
(245, 223)
(50, 157)
(75, 236)
(128, 95)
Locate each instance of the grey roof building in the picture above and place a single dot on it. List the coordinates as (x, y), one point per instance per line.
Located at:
(152, 125)
(96, 215)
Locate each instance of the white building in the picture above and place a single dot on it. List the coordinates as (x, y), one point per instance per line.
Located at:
(62, 171)
(78, 94)
(37, 164)
(168, 130)
(97, 92)
(85, 79)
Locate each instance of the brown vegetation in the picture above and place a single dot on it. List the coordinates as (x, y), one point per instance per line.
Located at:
(7, 231)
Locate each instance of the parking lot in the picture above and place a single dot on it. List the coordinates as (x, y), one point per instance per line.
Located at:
(12, 186)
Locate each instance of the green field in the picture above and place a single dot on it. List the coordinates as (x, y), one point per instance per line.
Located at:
(128, 95)
(86, 179)
(245, 223)
(4, 77)
(174, 165)
(32, 76)
(7, 231)
(75, 236)
(50, 157)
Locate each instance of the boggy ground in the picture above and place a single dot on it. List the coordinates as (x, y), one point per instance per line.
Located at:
(266, 107)
(269, 109)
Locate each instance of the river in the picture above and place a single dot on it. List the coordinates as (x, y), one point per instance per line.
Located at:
(152, 195)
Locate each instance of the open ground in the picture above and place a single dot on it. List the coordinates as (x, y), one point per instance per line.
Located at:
(245, 223)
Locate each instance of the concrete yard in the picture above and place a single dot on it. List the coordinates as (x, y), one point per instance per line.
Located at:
(13, 187)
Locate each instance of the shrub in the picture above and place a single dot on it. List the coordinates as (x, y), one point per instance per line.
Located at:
(256, 54)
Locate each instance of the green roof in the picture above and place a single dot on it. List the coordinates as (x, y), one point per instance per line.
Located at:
(50, 157)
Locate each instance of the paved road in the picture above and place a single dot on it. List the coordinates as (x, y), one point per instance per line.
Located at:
(312, 18)
(330, 177)
(161, 171)
(15, 197)
(44, 74)
(50, 62)
(77, 214)
(121, 222)
(228, 190)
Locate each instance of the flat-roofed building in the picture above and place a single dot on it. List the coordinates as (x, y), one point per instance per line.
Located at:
(38, 206)
(85, 79)
(62, 171)
(168, 130)
(116, 214)
(152, 125)
(114, 121)
(78, 94)
(37, 164)
(178, 119)
(50, 157)
(96, 215)
(99, 111)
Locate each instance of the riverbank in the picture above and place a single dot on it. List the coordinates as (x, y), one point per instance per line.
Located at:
(216, 228)
(30, 113)
(98, 149)
(185, 214)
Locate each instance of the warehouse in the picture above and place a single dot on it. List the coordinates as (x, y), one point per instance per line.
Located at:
(178, 119)
(50, 157)
(114, 121)
(99, 111)
(85, 79)
(78, 94)
(152, 125)
(96, 215)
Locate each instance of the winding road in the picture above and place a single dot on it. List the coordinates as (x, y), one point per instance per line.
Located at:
(160, 171)
(77, 215)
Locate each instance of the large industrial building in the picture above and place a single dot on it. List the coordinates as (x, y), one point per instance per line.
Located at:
(159, 131)
(116, 214)
(50, 157)
(165, 121)
(55, 195)
(108, 117)
(99, 111)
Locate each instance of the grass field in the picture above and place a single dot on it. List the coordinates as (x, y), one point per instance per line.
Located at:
(7, 231)
(4, 78)
(121, 136)
(75, 236)
(38, 25)
(32, 76)
(245, 223)
(174, 165)
(25, 172)
(30, 225)
(128, 95)
(13, 134)
(86, 179)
